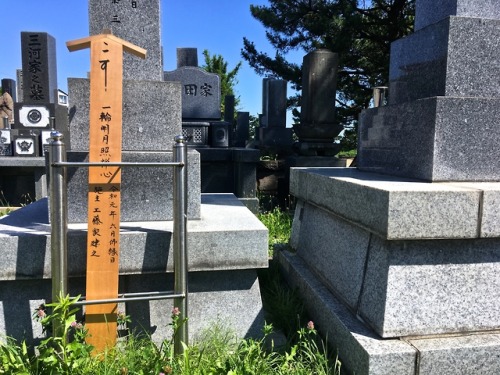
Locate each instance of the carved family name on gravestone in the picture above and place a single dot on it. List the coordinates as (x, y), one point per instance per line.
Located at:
(104, 192)
(200, 92)
(38, 51)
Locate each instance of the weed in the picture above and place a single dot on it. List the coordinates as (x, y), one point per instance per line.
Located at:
(279, 224)
(219, 352)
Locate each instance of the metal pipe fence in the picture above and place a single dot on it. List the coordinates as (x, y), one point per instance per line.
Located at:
(59, 229)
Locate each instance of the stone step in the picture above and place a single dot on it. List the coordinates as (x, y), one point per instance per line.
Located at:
(363, 352)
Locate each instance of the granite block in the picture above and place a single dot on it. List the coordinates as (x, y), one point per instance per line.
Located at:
(239, 307)
(391, 207)
(435, 142)
(229, 170)
(145, 247)
(147, 193)
(426, 287)
(360, 350)
(490, 215)
(477, 354)
(431, 11)
(273, 103)
(137, 22)
(455, 57)
(151, 114)
(200, 92)
(187, 57)
(275, 137)
(338, 260)
(363, 352)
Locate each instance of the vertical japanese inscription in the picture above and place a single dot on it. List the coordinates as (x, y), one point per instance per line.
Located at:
(35, 66)
(105, 133)
(103, 239)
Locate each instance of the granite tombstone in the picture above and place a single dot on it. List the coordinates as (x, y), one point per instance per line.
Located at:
(138, 22)
(401, 256)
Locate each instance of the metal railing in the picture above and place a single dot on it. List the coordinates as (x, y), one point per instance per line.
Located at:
(59, 223)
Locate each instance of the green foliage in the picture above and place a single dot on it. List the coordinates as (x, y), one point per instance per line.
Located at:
(218, 352)
(359, 31)
(59, 354)
(279, 225)
(347, 154)
(217, 64)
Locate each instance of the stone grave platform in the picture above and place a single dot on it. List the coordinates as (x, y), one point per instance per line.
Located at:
(402, 275)
(225, 248)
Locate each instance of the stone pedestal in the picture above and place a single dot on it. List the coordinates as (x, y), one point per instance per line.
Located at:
(226, 246)
(402, 275)
(231, 170)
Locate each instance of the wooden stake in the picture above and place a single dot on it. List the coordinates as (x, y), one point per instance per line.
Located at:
(103, 238)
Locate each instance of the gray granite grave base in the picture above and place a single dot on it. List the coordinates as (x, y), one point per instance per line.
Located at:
(226, 246)
(147, 193)
(407, 258)
(227, 299)
(430, 139)
(363, 352)
(411, 258)
(231, 170)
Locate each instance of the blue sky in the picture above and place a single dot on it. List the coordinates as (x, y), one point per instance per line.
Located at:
(218, 26)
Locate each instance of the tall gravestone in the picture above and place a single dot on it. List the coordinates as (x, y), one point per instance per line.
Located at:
(273, 133)
(223, 169)
(318, 128)
(33, 112)
(226, 242)
(137, 21)
(9, 85)
(200, 98)
(151, 117)
(401, 257)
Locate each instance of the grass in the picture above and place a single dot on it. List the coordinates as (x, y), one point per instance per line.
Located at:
(7, 208)
(347, 154)
(218, 351)
(279, 225)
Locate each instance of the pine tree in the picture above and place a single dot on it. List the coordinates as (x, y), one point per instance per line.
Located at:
(359, 31)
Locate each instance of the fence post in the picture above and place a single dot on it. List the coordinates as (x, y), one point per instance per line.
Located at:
(59, 220)
(179, 241)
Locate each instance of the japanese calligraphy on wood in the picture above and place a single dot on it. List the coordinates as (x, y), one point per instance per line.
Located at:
(103, 240)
